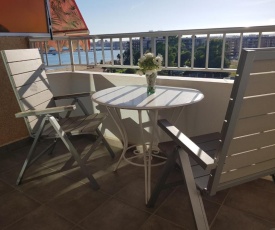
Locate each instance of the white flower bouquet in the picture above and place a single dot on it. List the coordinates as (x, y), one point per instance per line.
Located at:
(148, 63)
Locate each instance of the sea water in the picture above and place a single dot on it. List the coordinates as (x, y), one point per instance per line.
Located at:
(65, 59)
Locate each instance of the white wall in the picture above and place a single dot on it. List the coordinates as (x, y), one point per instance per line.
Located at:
(200, 118)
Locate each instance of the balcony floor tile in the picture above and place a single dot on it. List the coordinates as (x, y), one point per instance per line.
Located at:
(52, 196)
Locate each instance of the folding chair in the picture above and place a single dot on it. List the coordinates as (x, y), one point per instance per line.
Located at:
(245, 148)
(37, 103)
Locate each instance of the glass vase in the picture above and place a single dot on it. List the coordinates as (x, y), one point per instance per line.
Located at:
(151, 82)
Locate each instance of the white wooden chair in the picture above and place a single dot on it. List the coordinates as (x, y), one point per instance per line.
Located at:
(31, 87)
(245, 148)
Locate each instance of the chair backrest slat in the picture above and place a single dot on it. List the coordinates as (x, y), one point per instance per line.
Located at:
(251, 125)
(250, 142)
(247, 148)
(242, 175)
(259, 84)
(21, 54)
(248, 158)
(29, 82)
(253, 106)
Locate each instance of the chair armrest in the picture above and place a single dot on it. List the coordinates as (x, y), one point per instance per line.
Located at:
(58, 109)
(202, 158)
(74, 95)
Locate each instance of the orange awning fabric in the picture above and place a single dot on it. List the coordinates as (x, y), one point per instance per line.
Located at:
(66, 20)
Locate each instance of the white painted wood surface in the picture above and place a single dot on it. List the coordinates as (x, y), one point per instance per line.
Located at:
(135, 97)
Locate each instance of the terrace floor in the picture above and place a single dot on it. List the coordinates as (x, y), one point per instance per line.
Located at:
(56, 197)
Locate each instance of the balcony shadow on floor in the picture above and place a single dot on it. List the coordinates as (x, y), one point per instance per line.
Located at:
(52, 199)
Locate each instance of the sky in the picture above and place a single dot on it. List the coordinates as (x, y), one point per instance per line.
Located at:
(125, 16)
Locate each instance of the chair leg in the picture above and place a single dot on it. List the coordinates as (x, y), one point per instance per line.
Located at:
(32, 150)
(106, 144)
(53, 147)
(168, 166)
(194, 194)
(73, 151)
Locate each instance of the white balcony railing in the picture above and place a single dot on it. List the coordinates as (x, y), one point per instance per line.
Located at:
(93, 49)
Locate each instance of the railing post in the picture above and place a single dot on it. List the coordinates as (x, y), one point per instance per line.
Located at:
(112, 51)
(179, 50)
(223, 50)
(166, 52)
(121, 54)
(141, 46)
(131, 51)
(94, 47)
(193, 51)
(58, 51)
(71, 55)
(259, 40)
(207, 51)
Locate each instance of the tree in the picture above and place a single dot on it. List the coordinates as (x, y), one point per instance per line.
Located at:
(215, 55)
(126, 56)
(185, 58)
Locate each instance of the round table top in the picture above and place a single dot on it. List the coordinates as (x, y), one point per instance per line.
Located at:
(135, 97)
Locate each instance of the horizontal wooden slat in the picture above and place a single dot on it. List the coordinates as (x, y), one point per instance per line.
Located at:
(53, 110)
(21, 54)
(259, 84)
(206, 137)
(29, 77)
(246, 171)
(263, 66)
(251, 142)
(26, 66)
(91, 123)
(256, 124)
(254, 106)
(249, 158)
(66, 123)
(33, 89)
(35, 100)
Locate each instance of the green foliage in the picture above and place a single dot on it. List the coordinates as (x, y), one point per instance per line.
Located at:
(132, 71)
(215, 52)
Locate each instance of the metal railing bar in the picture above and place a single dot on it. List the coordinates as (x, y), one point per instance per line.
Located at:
(121, 54)
(259, 40)
(58, 52)
(78, 52)
(131, 51)
(86, 51)
(179, 50)
(112, 51)
(94, 50)
(166, 51)
(46, 53)
(102, 49)
(223, 50)
(193, 51)
(207, 51)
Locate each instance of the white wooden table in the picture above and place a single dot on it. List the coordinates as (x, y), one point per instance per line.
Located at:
(136, 98)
